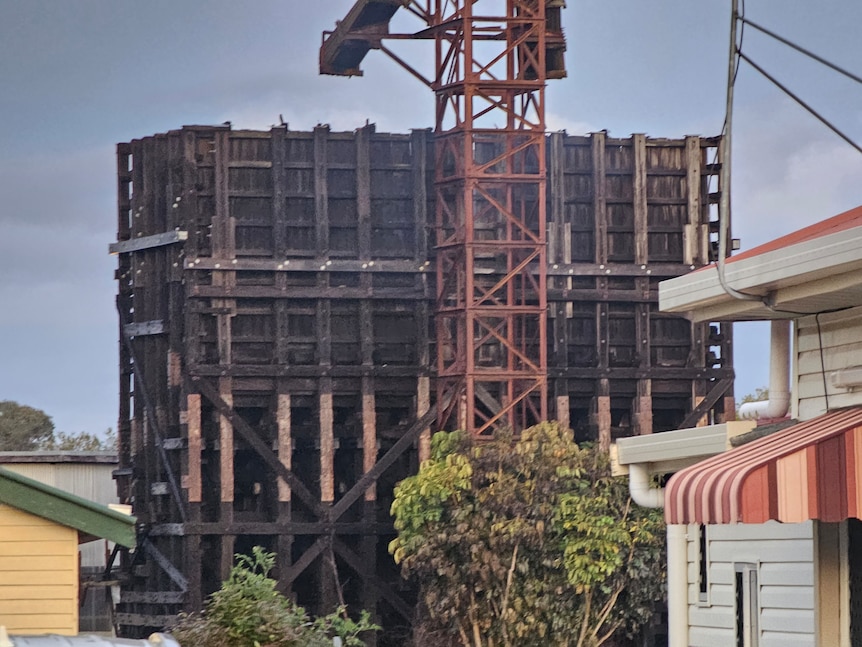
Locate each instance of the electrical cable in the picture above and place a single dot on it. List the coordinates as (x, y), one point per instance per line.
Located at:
(822, 361)
(800, 49)
(802, 103)
(724, 204)
(737, 55)
(806, 314)
(819, 338)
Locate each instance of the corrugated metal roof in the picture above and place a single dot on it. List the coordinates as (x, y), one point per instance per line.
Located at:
(812, 470)
(59, 457)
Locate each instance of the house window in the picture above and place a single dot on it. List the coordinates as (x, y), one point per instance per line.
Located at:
(747, 610)
(703, 559)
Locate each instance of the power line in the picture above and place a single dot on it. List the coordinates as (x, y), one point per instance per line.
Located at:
(802, 103)
(800, 49)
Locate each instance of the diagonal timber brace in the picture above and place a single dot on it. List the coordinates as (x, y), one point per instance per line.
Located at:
(355, 562)
(707, 403)
(202, 386)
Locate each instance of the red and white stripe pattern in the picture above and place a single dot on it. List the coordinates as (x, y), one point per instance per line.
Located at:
(812, 470)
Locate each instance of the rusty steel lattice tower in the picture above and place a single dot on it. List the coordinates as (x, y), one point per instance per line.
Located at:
(492, 61)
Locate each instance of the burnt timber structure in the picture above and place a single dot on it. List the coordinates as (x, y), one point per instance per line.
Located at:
(276, 307)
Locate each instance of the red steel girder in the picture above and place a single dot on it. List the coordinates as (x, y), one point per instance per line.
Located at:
(492, 61)
(490, 187)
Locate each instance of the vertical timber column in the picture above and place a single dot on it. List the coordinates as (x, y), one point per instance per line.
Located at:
(699, 387)
(326, 431)
(284, 439)
(326, 438)
(603, 413)
(602, 399)
(491, 212)
(728, 410)
(226, 478)
(642, 404)
(124, 305)
(285, 455)
(697, 253)
(696, 230)
(195, 495)
(366, 327)
(559, 251)
(326, 421)
(191, 348)
(419, 142)
(223, 250)
(368, 543)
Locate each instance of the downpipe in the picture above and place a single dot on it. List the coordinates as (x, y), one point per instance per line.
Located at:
(644, 494)
(641, 489)
(779, 377)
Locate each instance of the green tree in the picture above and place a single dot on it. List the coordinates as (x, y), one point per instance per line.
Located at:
(81, 442)
(23, 428)
(531, 543)
(248, 611)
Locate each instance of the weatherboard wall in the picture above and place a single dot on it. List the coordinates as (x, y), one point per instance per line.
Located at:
(287, 278)
(38, 574)
(88, 475)
(824, 344)
(784, 559)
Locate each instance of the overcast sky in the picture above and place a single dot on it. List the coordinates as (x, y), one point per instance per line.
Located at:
(78, 76)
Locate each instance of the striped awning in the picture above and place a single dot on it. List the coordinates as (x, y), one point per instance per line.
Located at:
(812, 470)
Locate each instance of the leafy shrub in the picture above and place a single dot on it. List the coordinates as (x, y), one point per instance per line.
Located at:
(527, 544)
(248, 611)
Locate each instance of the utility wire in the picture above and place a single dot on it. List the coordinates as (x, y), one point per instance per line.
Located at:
(736, 55)
(802, 103)
(800, 49)
(724, 203)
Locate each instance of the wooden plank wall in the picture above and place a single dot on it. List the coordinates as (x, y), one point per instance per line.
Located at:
(625, 214)
(276, 339)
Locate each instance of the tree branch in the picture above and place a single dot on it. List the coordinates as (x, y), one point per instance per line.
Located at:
(588, 601)
(509, 578)
(601, 640)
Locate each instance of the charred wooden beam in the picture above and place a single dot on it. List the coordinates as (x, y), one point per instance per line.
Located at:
(707, 403)
(148, 242)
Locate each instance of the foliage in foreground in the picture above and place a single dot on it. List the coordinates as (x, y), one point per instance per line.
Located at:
(248, 611)
(531, 543)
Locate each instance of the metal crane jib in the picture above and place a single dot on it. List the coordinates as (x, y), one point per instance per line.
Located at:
(367, 24)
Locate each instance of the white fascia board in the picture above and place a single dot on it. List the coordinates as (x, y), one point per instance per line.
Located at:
(808, 261)
(679, 444)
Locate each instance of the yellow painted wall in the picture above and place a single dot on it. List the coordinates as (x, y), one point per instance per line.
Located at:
(38, 574)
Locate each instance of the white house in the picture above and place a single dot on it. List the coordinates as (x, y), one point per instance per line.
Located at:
(764, 539)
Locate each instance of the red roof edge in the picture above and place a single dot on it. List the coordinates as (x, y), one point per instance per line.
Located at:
(841, 222)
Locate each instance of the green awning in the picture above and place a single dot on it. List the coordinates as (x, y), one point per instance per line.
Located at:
(91, 520)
